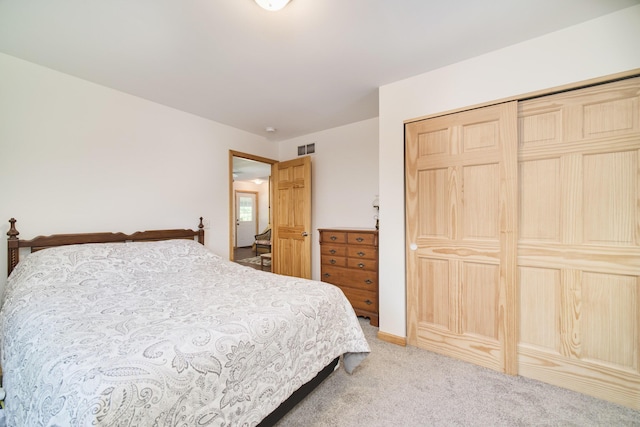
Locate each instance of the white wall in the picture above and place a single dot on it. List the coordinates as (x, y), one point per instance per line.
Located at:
(601, 47)
(78, 157)
(344, 175)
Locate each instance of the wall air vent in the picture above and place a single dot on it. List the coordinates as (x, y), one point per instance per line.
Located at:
(306, 149)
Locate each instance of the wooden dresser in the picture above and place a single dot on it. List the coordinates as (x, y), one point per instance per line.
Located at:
(349, 260)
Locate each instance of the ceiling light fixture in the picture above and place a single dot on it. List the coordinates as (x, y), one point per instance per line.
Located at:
(272, 5)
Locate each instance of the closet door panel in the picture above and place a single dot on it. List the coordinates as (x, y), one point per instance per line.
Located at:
(433, 205)
(540, 200)
(461, 225)
(433, 142)
(540, 307)
(434, 297)
(610, 301)
(480, 300)
(579, 246)
(481, 202)
(610, 198)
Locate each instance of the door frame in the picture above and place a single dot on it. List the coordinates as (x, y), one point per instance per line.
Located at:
(232, 154)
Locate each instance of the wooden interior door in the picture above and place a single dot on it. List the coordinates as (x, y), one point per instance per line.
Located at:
(291, 235)
(579, 243)
(461, 201)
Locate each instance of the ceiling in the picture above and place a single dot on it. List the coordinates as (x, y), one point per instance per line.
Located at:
(247, 170)
(315, 65)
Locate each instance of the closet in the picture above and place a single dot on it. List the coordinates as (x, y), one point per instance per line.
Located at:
(523, 236)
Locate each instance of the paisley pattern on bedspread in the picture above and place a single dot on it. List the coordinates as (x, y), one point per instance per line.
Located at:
(162, 333)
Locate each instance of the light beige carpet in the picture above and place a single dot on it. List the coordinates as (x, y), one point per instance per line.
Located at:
(406, 386)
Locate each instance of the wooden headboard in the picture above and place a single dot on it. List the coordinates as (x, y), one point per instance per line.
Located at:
(42, 242)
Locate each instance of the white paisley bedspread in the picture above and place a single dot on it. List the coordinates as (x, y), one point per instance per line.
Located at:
(162, 334)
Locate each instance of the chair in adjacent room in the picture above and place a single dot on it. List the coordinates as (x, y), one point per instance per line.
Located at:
(263, 241)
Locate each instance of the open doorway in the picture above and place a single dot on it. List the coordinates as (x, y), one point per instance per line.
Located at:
(250, 209)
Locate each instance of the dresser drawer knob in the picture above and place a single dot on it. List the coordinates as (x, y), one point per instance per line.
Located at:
(359, 239)
(333, 261)
(368, 281)
(332, 251)
(361, 265)
(368, 302)
(326, 275)
(361, 253)
(333, 238)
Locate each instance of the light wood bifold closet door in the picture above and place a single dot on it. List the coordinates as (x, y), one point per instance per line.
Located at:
(575, 316)
(461, 215)
(578, 251)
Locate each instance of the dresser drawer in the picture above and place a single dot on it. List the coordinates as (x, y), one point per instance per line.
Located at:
(363, 300)
(367, 252)
(362, 264)
(361, 239)
(338, 261)
(333, 250)
(345, 277)
(333, 237)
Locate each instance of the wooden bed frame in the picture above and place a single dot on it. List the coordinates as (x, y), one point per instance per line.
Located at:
(14, 244)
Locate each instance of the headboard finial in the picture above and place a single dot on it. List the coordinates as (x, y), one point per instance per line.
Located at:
(13, 246)
(201, 232)
(13, 233)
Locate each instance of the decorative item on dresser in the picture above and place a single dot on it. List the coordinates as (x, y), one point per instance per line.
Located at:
(349, 260)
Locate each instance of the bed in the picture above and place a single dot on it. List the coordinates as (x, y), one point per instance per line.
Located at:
(152, 328)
